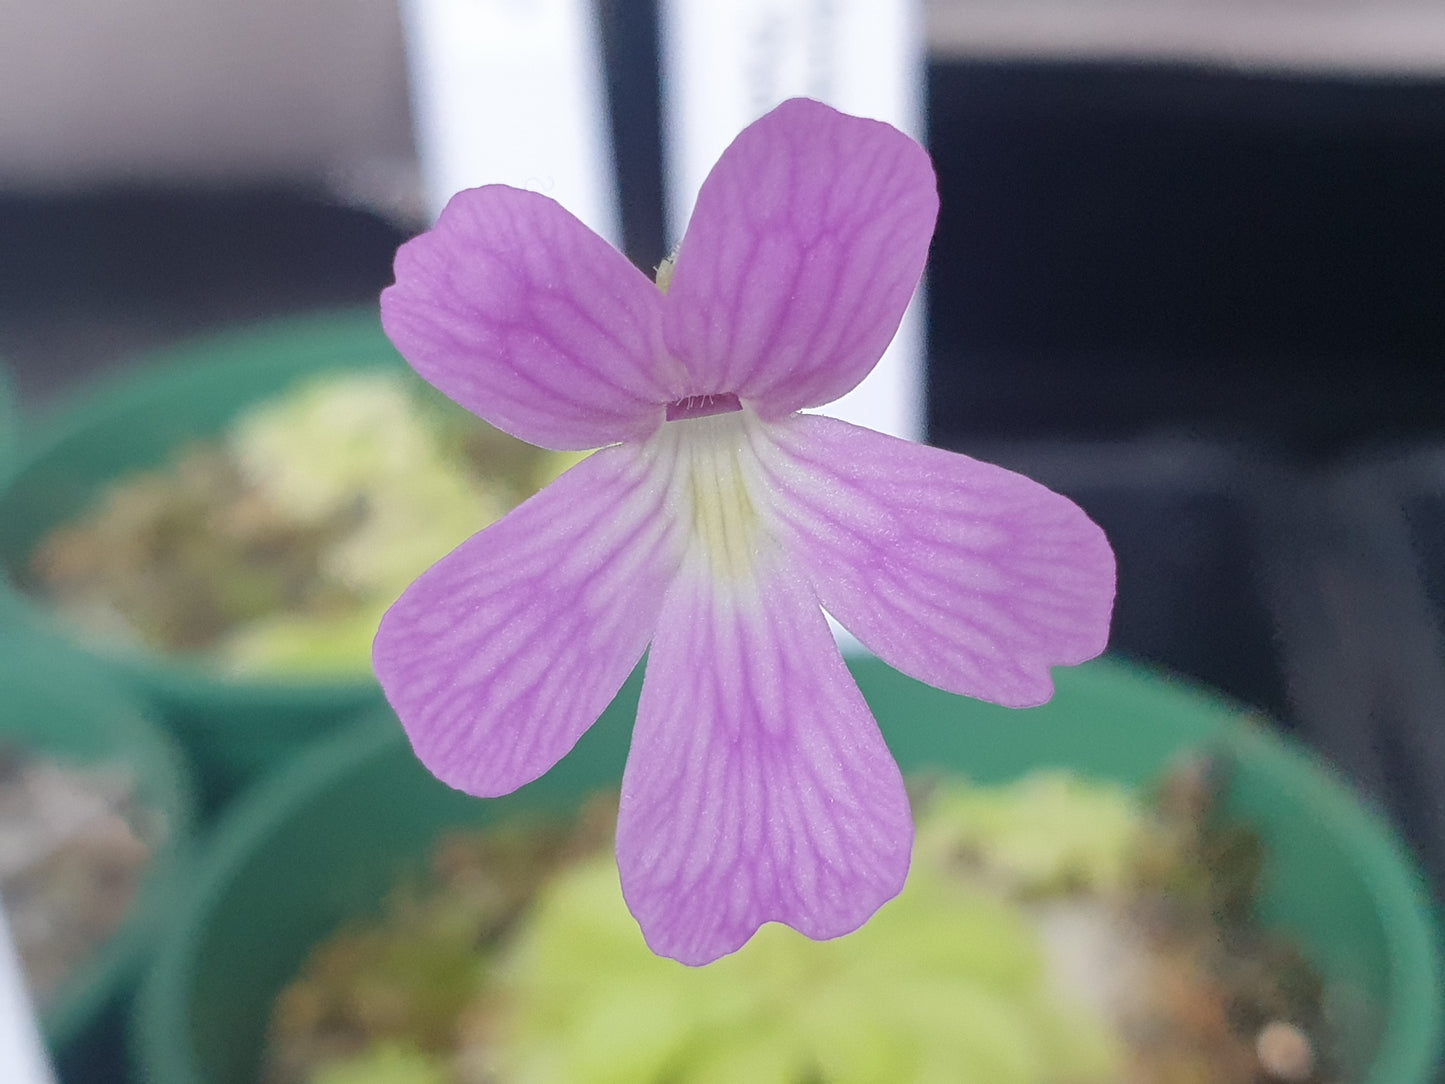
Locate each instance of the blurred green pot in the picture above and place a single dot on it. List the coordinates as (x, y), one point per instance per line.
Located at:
(325, 839)
(79, 716)
(233, 729)
(9, 423)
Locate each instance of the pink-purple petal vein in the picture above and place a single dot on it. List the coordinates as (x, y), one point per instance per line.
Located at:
(528, 319)
(500, 655)
(959, 573)
(807, 242)
(758, 788)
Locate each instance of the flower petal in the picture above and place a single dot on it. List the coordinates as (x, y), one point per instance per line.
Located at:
(500, 655)
(527, 318)
(959, 573)
(758, 787)
(809, 237)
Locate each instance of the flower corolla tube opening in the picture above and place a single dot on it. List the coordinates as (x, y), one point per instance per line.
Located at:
(715, 526)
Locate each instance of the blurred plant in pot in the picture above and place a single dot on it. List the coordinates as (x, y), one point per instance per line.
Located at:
(273, 550)
(75, 843)
(1054, 929)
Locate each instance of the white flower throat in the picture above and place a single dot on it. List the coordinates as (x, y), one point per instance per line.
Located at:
(716, 484)
(717, 487)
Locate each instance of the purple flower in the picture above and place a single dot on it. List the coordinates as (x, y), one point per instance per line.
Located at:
(716, 524)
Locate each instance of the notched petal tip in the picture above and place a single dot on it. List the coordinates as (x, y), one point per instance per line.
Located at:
(808, 240)
(962, 574)
(758, 788)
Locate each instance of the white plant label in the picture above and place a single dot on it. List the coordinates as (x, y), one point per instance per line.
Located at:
(22, 1056)
(512, 92)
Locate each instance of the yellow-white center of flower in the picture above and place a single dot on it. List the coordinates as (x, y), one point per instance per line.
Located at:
(716, 489)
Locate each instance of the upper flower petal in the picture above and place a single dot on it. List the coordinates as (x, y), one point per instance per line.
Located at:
(962, 574)
(527, 318)
(808, 239)
(758, 787)
(500, 655)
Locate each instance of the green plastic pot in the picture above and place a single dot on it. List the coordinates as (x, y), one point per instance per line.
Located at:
(233, 729)
(324, 840)
(79, 716)
(9, 423)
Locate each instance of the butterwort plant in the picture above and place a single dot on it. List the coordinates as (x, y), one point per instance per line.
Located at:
(715, 524)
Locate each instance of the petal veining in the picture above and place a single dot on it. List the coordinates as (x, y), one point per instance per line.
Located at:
(528, 319)
(499, 656)
(717, 525)
(808, 239)
(758, 787)
(962, 574)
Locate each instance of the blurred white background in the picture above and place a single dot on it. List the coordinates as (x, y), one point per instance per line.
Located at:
(101, 90)
(1364, 36)
(93, 91)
